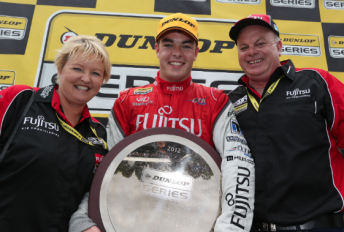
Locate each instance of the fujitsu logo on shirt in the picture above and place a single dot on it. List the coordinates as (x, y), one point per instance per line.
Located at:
(175, 88)
(39, 124)
(297, 93)
(148, 120)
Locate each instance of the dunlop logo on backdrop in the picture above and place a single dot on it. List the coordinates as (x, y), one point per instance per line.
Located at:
(7, 78)
(300, 45)
(336, 46)
(294, 3)
(12, 27)
(336, 5)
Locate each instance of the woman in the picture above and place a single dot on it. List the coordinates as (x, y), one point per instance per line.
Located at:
(51, 160)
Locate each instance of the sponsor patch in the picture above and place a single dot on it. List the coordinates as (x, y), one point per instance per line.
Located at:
(99, 159)
(240, 101)
(297, 93)
(336, 46)
(143, 90)
(46, 91)
(167, 186)
(198, 101)
(245, 150)
(240, 108)
(235, 128)
(300, 45)
(236, 139)
(240, 105)
(238, 157)
(142, 100)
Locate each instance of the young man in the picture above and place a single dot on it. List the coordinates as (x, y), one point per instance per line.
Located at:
(175, 101)
(293, 121)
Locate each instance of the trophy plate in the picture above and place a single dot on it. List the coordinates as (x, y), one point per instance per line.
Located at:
(157, 180)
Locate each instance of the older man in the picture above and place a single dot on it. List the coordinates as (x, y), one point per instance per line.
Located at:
(177, 102)
(293, 121)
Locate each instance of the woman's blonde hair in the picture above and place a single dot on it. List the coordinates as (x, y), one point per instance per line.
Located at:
(86, 46)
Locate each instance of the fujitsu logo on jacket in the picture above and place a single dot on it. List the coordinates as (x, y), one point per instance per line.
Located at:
(297, 93)
(39, 122)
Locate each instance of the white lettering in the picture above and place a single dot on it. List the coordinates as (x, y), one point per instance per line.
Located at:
(138, 120)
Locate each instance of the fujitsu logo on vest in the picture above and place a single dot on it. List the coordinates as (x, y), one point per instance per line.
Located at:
(39, 122)
(160, 120)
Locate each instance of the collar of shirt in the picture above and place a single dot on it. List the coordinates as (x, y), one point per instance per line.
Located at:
(173, 87)
(287, 68)
(55, 103)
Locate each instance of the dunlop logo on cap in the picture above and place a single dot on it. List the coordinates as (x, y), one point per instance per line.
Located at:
(178, 19)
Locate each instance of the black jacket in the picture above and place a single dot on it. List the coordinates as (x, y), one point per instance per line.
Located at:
(294, 139)
(46, 171)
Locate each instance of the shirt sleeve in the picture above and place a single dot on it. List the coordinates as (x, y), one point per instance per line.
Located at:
(334, 106)
(237, 169)
(118, 126)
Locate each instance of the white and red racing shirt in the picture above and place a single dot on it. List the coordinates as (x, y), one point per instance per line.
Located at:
(205, 112)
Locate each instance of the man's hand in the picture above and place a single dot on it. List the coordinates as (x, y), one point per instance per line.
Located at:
(92, 229)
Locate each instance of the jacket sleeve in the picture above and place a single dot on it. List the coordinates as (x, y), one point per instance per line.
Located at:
(237, 169)
(12, 103)
(334, 106)
(118, 126)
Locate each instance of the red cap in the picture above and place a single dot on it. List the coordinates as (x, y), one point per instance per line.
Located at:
(254, 19)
